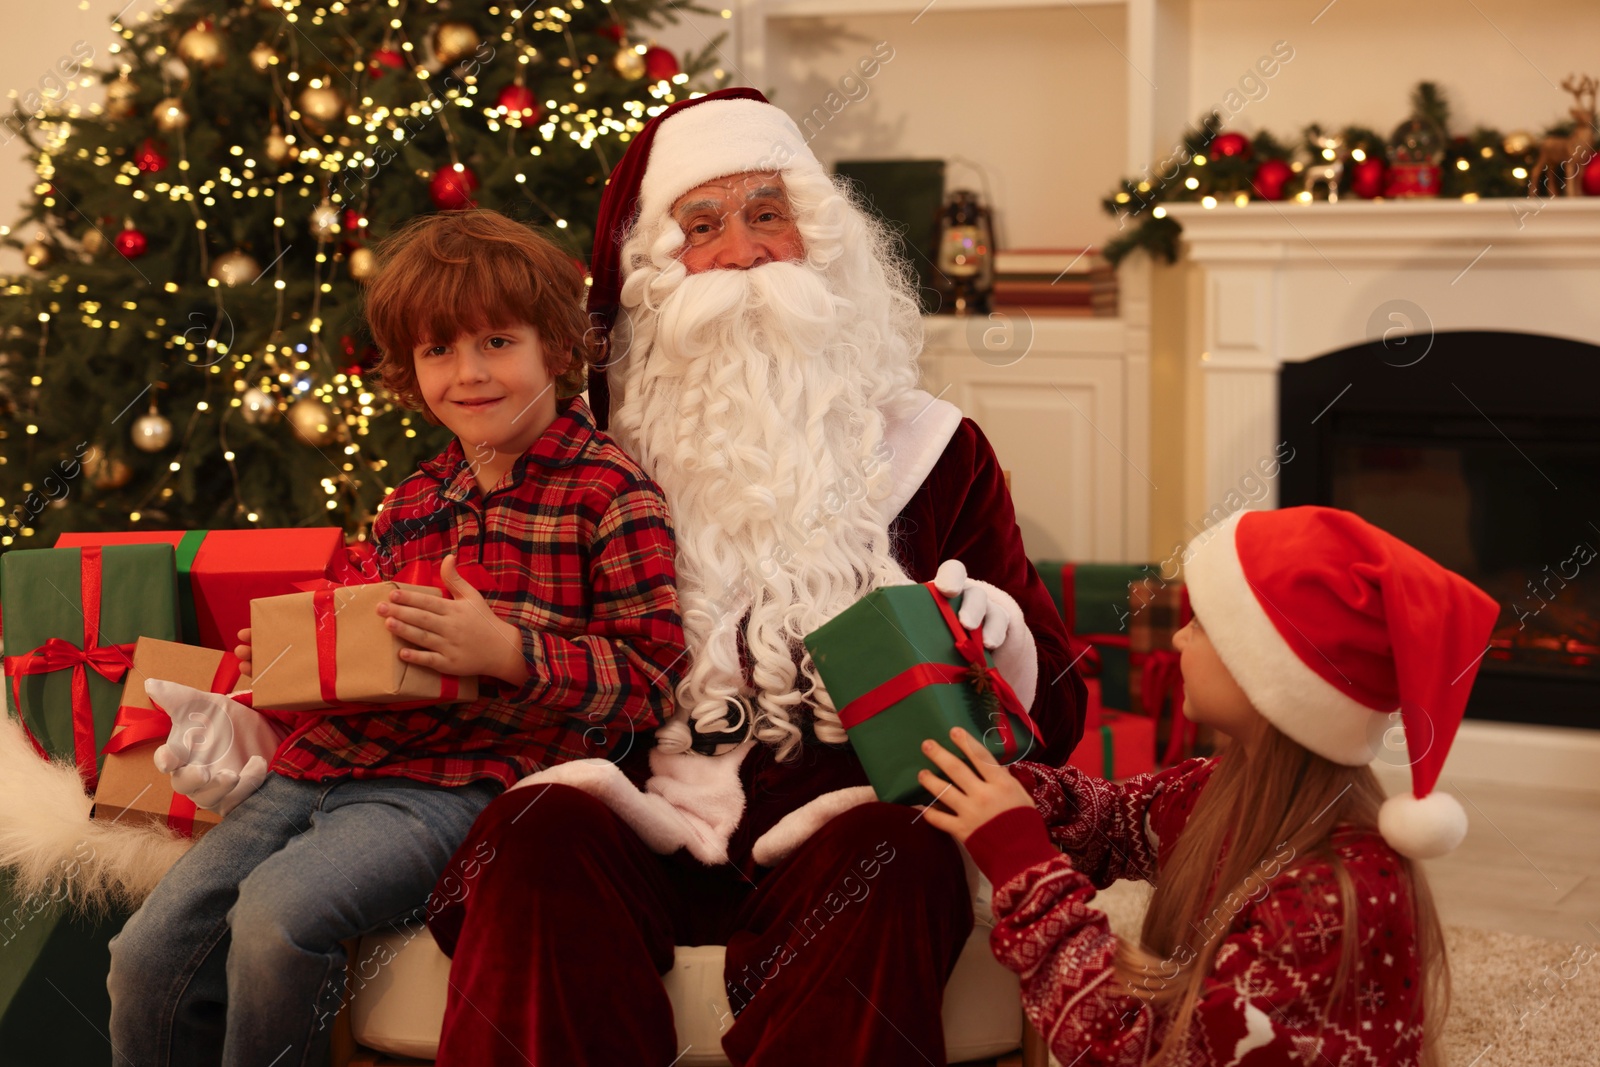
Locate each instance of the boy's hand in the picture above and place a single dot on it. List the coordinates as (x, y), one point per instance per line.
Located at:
(973, 797)
(460, 636)
(242, 652)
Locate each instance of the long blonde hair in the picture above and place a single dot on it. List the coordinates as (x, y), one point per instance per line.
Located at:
(1261, 812)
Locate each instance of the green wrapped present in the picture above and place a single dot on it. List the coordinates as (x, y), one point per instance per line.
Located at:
(901, 669)
(1096, 604)
(71, 616)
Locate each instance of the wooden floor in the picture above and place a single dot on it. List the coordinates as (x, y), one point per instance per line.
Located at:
(1530, 864)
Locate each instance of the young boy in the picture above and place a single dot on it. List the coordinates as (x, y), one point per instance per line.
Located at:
(236, 956)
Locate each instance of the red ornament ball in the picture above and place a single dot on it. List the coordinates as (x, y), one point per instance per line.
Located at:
(1590, 179)
(1271, 179)
(611, 30)
(383, 59)
(518, 100)
(1231, 146)
(451, 189)
(148, 157)
(660, 65)
(131, 243)
(1367, 178)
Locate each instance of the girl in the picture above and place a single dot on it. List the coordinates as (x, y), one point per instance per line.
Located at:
(1288, 923)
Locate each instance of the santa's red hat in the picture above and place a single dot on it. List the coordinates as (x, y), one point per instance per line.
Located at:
(1330, 626)
(730, 131)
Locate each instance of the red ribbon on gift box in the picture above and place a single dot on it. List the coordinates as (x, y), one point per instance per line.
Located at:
(111, 662)
(326, 613)
(977, 672)
(137, 726)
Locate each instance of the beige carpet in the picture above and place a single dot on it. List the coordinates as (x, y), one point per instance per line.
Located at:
(1516, 1001)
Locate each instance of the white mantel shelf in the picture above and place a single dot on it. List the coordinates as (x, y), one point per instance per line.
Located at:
(1393, 233)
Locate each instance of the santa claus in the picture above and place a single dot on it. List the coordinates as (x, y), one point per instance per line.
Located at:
(764, 339)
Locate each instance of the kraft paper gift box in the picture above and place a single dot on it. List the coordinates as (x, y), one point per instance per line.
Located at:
(221, 571)
(898, 674)
(71, 616)
(131, 789)
(329, 649)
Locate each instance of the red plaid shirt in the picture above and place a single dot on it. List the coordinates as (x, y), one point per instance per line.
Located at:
(579, 543)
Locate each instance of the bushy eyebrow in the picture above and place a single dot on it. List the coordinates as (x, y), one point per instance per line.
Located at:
(766, 192)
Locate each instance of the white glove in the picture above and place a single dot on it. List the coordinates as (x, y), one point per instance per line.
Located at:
(218, 749)
(1004, 630)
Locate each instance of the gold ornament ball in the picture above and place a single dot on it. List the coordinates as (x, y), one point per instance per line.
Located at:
(94, 241)
(324, 220)
(105, 471)
(37, 254)
(258, 406)
(454, 41)
(629, 63)
(278, 147)
(262, 57)
(362, 264)
(120, 96)
(1517, 142)
(321, 104)
(152, 432)
(235, 268)
(312, 420)
(202, 46)
(170, 115)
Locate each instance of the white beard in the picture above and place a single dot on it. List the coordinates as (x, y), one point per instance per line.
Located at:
(744, 395)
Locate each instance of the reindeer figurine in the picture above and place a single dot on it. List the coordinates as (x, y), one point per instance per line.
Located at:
(1327, 162)
(1562, 158)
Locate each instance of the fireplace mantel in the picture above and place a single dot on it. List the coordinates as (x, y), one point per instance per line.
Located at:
(1287, 282)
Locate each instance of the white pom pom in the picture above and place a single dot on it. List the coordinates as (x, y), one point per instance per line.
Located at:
(1422, 829)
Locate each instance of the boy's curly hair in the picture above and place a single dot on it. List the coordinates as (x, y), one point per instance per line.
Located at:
(440, 276)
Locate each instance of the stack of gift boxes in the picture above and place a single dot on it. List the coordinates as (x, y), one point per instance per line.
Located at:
(88, 622)
(1122, 619)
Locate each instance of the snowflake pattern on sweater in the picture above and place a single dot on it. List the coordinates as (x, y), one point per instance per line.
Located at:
(1264, 1002)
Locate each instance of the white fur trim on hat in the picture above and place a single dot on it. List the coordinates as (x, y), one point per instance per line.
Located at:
(1287, 692)
(714, 140)
(1422, 828)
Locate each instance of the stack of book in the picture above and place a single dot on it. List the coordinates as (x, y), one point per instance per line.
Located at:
(1057, 281)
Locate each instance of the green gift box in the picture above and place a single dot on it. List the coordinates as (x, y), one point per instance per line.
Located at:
(1096, 604)
(71, 616)
(898, 674)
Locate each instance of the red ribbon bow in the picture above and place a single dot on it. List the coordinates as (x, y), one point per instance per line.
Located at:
(111, 662)
(977, 672)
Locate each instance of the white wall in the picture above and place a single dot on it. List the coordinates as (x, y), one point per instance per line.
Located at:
(1036, 97)
(1500, 62)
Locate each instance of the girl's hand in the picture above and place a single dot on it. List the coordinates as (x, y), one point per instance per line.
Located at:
(973, 797)
(242, 652)
(460, 636)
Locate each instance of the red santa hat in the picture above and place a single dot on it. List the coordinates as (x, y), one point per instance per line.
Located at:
(1330, 626)
(730, 131)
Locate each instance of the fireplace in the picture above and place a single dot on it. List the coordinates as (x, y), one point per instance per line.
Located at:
(1482, 449)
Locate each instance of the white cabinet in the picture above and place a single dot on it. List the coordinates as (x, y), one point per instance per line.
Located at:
(1065, 407)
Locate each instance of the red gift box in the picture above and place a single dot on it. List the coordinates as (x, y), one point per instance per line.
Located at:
(1121, 745)
(221, 571)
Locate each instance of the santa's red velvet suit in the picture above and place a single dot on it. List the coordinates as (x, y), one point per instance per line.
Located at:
(842, 916)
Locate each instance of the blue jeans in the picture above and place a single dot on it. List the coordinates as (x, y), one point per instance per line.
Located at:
(236, 957)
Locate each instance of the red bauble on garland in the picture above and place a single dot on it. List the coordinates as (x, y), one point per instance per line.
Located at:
(451, 188)
(1271, 179)
(131, 243)
(1231, 146)
(1367, 177)
(147, 157)
(1591, 177)
(660, 64)
(383, 59)
(518, 100)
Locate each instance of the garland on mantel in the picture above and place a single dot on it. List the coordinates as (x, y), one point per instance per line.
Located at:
(1421, 158)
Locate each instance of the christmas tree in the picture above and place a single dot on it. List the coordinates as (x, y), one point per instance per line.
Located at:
(186, 350)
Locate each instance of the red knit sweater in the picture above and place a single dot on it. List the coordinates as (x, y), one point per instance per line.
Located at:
(1264, 1001)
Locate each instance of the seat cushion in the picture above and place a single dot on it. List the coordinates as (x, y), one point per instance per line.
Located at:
(398, 984)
